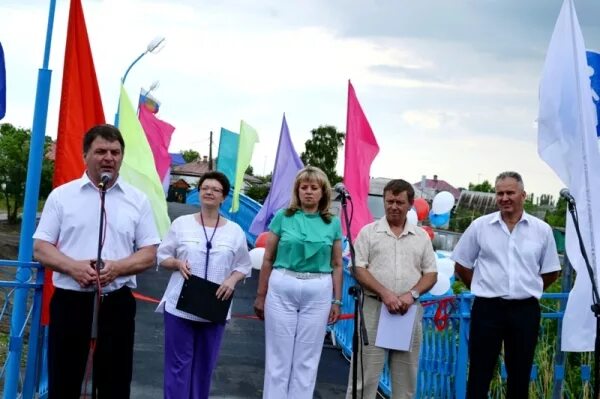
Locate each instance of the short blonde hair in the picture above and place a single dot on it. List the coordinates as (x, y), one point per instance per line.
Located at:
(313, 174)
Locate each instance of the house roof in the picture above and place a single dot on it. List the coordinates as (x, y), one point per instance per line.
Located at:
(436, 185)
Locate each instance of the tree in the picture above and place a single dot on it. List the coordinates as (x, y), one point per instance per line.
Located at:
(190, 155)
(250, 170)
(557, 217)
(14, 155)
(322, 150)
(484, 187)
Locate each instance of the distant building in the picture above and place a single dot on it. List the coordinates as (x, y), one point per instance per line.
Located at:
(430, 187)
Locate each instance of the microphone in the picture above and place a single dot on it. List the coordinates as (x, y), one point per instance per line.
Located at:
(105, 177)
(566, 194)
(341, 190)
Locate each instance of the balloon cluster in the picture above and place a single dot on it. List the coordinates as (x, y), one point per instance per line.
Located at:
(439, 214)
(445, 270)
(258, 252)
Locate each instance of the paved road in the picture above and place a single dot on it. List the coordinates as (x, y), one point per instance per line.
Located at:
(240, 369)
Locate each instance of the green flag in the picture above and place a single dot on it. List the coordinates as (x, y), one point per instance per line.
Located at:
(248, 137)
(138, 167)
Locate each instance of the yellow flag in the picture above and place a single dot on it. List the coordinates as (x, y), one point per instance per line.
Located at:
(248, 137)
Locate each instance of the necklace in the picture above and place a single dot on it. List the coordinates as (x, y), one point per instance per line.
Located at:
(208, 241)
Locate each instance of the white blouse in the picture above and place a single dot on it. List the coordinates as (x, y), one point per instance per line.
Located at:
(186, 241)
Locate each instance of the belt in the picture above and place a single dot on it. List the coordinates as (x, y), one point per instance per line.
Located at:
(301, 275)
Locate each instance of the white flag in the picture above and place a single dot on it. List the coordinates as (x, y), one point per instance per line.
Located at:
(567, 142)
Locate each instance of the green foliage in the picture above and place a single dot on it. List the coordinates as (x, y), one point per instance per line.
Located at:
(558, 217)
(258, 192)
(322, 150)
(250, 170)
(483, 187)
(14, 156)
(462, 218)
(190, 155)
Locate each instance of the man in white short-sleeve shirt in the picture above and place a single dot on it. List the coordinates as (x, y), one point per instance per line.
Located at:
(507, 259)
(66, 241)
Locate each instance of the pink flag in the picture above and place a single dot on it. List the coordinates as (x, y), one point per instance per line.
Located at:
(158, 134)
(361, 149)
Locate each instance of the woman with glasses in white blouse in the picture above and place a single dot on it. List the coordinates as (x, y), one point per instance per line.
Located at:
(204, 244)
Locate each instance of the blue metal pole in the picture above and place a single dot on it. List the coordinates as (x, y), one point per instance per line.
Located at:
(123, 82)
(32, 188)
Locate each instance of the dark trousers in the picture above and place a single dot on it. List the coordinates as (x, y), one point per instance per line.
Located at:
(494, 321)
(69, 343)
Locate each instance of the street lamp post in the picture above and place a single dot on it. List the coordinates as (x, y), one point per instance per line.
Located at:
(153, 47)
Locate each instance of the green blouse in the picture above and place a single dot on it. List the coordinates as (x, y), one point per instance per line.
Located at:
(305, 241)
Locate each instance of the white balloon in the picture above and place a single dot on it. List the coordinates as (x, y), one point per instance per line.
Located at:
(256, 257)
(445, 266)
(442, 203)
(411, 216)
(442, 286)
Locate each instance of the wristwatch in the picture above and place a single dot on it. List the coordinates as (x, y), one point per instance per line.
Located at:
(415, 294)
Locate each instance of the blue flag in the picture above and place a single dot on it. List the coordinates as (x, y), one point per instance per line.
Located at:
(227, 156)
(2, 84)
(287, 165)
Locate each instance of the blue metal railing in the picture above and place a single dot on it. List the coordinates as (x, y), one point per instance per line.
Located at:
(27, 381)
(444, 353)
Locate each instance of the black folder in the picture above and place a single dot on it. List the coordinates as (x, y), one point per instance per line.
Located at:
(198, 297)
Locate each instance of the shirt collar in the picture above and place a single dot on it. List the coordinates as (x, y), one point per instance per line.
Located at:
(384, 227)
(496, 218)
(85, 180)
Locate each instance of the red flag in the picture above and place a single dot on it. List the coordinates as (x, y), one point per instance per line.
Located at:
(80, 109)
(360, 149)
(158, 134)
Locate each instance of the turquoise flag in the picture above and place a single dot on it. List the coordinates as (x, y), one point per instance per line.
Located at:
(248, 137)
(228, 152)
(138, 167)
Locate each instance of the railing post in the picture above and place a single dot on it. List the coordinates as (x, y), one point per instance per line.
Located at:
(32, 189)
(560, 360)
(35, 340)
(464, 311)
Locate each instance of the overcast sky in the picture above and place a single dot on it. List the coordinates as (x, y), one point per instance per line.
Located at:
(449, 87)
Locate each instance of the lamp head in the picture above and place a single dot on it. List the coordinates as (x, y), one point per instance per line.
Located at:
(156, 45)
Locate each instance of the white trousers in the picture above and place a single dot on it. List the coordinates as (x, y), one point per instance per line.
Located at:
(296, 313)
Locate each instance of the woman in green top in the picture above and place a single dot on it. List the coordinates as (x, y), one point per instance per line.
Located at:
(300, 287)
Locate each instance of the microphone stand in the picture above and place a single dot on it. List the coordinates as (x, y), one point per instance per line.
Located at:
(99, 264)
(357, 293)
(595, 298)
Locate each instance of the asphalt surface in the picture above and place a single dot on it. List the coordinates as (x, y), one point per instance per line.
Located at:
(240, 368)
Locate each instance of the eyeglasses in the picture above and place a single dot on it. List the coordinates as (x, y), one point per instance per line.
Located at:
(211, 189)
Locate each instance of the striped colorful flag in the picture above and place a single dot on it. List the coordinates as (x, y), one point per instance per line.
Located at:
(148, 101)
(248, 137)
(138, 163)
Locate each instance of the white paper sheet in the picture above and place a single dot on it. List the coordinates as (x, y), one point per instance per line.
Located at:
(394, 330)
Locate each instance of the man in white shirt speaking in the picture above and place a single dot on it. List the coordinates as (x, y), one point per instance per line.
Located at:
(507, 259)
(66, 241)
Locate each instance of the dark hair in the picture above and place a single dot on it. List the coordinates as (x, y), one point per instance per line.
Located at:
(218, 176)
(107, 132)
(396, 186)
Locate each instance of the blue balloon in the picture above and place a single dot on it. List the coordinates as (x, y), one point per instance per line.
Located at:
(438, 220)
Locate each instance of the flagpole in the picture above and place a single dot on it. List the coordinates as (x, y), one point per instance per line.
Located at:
(32, 190)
